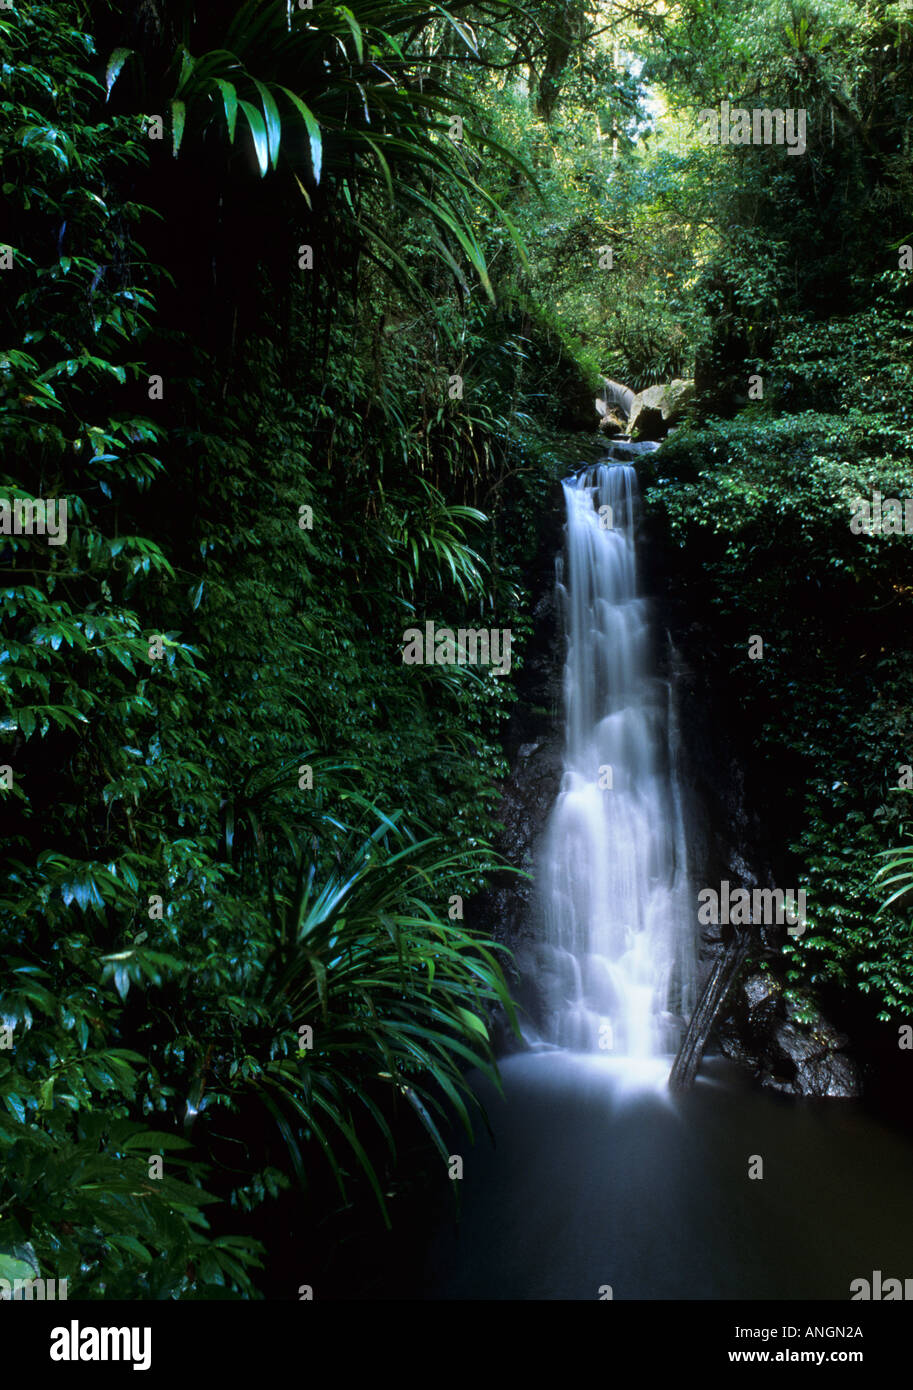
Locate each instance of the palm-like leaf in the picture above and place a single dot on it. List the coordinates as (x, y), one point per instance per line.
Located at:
(341, 83)
(896, 873)
(395, 993)
(427, 537)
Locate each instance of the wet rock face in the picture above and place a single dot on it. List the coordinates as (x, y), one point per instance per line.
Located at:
(766, 1032)
(529, 795)
(511, 906)
(533, 745)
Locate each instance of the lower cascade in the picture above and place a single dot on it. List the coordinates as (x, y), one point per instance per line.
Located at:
(616, 968)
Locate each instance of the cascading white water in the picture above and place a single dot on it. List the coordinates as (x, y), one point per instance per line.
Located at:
(616, 970)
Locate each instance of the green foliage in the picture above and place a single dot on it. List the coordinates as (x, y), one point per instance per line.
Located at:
(896, 875)
(371, 958)
(231, 811)
(761, 509)
(374, 126)
(181, 898)
(796, 284)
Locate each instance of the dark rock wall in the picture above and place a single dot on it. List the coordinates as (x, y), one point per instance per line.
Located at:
(533, 745)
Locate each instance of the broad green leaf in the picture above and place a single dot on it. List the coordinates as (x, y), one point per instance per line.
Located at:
(272, 121)
(258, 135)
(313, 130)
(178, 118)
(230, 102)
(115, 63)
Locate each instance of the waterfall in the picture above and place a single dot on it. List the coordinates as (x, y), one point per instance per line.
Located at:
(616, 969)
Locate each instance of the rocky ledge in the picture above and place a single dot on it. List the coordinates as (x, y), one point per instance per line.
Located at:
(789, 1046)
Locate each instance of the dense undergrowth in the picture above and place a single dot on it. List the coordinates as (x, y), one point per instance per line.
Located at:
(240, 830)
(293, 348)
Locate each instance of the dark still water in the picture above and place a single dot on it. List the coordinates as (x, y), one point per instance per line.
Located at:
(597, 1176)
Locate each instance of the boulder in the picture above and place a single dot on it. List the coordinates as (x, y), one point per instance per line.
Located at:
(654, 410)
(803, 1064)
(679, 394)
(790, 1046)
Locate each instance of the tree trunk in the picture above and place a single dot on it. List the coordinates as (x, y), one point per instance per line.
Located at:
(718, 984)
